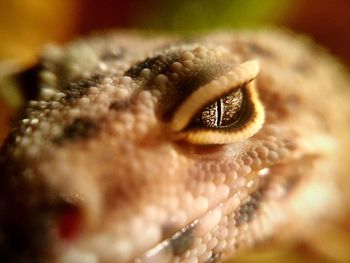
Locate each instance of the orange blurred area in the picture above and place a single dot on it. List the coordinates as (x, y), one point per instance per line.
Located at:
(26, 25)
(328, 22)
(5, 115)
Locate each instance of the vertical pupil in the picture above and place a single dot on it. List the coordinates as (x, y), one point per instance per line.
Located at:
(232, 105)
(225, 111)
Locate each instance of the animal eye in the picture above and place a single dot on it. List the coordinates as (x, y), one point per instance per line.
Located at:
(223, 111)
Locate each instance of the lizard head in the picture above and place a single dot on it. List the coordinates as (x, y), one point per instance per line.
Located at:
(188, 154)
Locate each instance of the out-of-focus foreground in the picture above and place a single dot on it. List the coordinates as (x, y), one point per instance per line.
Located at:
(26, 25)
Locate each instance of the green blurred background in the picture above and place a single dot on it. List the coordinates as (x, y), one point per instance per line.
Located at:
(26, 25)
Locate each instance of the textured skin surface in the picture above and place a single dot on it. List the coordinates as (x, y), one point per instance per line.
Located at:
(93, 171)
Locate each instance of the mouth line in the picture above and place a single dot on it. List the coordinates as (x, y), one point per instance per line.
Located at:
(281, 175)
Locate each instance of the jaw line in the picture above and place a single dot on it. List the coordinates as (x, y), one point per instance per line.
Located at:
(164, 248)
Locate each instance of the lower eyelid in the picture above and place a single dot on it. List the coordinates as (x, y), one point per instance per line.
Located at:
(249, 122)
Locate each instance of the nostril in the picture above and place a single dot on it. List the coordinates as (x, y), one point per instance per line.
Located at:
(69, 222)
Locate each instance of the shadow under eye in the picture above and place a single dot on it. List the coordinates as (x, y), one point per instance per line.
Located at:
(202, 150)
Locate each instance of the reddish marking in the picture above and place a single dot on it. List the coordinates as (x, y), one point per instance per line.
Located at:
(69, 223)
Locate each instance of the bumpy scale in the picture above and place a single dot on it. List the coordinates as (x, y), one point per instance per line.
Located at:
(162, 149)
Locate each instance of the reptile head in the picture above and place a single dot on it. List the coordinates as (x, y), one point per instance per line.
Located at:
(186, 155)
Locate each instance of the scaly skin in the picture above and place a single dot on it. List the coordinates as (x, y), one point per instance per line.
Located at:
(96, 172)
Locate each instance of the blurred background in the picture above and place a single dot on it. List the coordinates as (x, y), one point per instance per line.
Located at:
(26, 25)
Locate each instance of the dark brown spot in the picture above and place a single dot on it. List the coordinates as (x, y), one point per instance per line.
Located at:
(157, 65)
(80, 128)
(246, 212)
(79, 88)
(119, 105)
(182, 241)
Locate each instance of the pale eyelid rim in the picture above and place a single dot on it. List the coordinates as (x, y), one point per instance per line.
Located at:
(230, 81)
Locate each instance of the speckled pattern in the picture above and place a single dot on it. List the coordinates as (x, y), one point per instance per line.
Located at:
(93, 171)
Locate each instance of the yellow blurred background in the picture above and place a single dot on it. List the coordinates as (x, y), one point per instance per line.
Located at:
(26, 25)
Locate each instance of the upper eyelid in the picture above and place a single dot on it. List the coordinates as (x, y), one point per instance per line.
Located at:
(240, 75)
